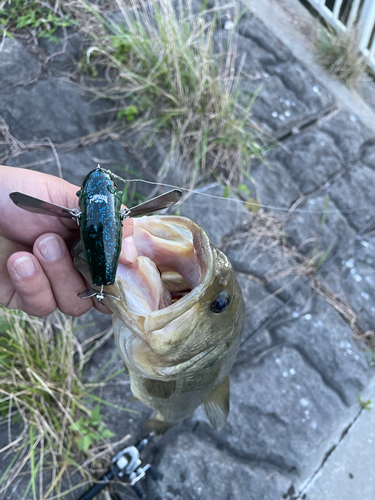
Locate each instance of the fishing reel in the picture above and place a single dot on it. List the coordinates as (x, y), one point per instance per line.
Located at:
(127, 466)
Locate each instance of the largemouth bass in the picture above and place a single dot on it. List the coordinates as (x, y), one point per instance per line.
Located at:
(178, 315)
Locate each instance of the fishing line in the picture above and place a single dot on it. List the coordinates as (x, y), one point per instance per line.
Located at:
(242, 202)
(331, 259)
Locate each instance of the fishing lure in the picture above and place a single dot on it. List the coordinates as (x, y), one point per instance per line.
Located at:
(100, 220)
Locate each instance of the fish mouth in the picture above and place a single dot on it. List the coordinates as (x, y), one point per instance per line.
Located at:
(172, 270)
(163, 320)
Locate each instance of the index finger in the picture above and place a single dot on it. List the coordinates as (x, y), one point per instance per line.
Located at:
(25, 227)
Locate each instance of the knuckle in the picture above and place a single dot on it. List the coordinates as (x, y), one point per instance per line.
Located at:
(38, 303)
(39, 310)
(75, 310)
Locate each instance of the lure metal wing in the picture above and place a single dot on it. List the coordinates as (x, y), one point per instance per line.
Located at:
(159, 203)
(100, 221)
(38, 206)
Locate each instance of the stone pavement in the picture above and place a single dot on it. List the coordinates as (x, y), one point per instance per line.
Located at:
(348, 472)
(305, 262)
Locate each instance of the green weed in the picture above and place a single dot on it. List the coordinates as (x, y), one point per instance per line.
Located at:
(226, 192)
(42, 388)
(318, 263)
(129, 113)
(251, 204)
(365, 405)
(87, 68)
(91, 430)
(242, 188)
(31, 14)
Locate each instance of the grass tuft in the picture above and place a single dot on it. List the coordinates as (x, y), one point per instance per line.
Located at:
(170, 77)
(339, 54)
(43, 392)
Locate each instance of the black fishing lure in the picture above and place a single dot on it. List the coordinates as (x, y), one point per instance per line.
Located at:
(101, 225)
(100, 221)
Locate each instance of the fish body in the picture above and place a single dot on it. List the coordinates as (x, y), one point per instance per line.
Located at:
(177, 321)
(100, 225)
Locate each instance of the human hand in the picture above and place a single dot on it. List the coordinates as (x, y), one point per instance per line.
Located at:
(36, 270)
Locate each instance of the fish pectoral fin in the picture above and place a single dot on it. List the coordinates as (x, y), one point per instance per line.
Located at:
(158, 426)
(217, 405)
(159, 388)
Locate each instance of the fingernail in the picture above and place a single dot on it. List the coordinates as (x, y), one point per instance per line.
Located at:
(129, 250)
(51, 248)
(24, 267)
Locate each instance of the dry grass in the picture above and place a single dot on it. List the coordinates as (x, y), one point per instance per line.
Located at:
(42, 392)
(367, 337)
(339, 54)
(263, 242)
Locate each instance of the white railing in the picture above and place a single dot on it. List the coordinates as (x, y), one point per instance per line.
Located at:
(342, 14)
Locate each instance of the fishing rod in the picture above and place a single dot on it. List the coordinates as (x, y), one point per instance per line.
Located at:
(127, 466)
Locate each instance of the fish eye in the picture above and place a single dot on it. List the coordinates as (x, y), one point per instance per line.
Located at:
(221, 303)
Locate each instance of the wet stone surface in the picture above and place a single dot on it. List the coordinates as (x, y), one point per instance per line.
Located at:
(260, 303)
(265, 261)
(317, 226)
(289, 95)
(368, 154)
(353, 194)
(20, 65)
(311, 159)
(270, 181)
(348, 133)
(298, 374)
(220, 217)
(323, 337)
(54, 110)
(351, 277)
(209, 471)
(270, 423)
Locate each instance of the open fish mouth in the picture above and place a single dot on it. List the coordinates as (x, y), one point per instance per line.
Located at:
(171, 264)
(178, 302)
